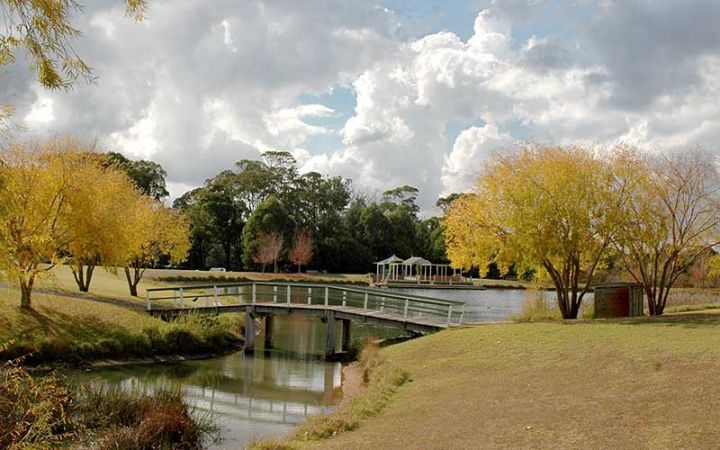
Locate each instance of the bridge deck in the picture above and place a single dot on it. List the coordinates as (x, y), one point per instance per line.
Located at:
(417, 324)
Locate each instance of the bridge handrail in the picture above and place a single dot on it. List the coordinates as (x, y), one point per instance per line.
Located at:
(358, 290)
(416, 304)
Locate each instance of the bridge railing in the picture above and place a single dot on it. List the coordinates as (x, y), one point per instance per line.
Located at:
(448, 312)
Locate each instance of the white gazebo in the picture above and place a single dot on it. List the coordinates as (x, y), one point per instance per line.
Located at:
(425, 270)
(388, 268)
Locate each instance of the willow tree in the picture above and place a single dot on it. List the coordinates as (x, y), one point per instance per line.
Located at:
(38, 183)
(162, 234)
(542, 208)
(43, 31)
(100, 232)
(670, 218)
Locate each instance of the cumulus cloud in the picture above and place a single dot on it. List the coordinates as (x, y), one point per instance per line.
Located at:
(200, 85)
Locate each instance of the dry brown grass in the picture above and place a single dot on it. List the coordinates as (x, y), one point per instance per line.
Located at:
(630, 384)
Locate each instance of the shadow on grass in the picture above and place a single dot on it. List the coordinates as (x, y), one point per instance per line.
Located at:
(685, 320)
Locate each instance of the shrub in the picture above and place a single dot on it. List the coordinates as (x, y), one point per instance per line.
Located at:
(33, 411)
(536, 308)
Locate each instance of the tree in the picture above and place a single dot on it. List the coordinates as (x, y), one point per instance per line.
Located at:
(164, 236)
(540, 208)
(99, 230)
(224, 210)
(670, 219)
(269, 247)
(148, 176)
(42, 29)
(271, 216)
(42, 195)
(302, 249)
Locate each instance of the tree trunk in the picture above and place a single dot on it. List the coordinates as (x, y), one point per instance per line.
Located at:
(298, 268)
(26, 288)
(83, 278)
(133, 280)
(275, 266)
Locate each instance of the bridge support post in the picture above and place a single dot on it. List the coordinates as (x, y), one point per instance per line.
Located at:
(269, 332)
(346, 335)
(330, 334)
(249, 346)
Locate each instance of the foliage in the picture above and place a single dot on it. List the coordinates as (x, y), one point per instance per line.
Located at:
(163, 235)
(269, 247)
(43, 31)
(302, 250)
(270, 217)
(100, 233)
(539, 208)
(148, 176)
(34, 411)
(670, 219)
(536, 308)
(138, 421)
(46, 209)
(43, 412)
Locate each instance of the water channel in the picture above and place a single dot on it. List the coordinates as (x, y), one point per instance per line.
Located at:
(252, 396)
(266, 394)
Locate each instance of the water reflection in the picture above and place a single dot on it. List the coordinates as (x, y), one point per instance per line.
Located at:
(252, 396)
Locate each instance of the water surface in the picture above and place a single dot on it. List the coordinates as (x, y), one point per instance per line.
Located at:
(252, 396)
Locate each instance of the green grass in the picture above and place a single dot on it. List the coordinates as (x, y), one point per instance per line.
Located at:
(610, 384)
(77, 330)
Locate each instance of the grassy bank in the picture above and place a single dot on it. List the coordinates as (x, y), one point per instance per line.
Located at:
(78, 330)
(628, 384)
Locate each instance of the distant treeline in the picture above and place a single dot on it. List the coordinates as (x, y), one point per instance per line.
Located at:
(235, 213)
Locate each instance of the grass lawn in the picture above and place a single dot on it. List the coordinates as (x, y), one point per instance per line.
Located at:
(641, 384)
(79, 329)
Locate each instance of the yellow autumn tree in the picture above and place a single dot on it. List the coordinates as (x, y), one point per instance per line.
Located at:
(100, 232)
(670, 219)
(37, 183)
(541, 208)
(162, 235)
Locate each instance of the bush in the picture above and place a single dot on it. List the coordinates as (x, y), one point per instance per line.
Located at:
(136, 420)
(536, 308)
(33, 411)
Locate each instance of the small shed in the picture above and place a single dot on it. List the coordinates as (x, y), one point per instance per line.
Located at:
(619, 300)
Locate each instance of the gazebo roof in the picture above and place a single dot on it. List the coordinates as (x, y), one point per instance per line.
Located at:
(416, 261)
(391, 260)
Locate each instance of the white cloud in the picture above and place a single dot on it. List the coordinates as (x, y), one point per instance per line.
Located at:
(200, 85)
(472, 146)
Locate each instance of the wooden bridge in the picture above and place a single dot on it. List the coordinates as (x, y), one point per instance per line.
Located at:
(330, 303)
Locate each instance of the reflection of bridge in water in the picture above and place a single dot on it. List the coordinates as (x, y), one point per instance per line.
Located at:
(332, 304)
(260, 391)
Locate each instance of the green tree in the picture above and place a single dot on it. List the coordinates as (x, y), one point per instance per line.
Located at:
(148, 176)
(223, 212)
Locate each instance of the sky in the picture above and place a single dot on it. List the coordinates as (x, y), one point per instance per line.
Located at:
(385, 92)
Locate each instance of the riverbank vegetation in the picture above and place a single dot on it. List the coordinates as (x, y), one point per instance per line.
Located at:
(46, 412)
(566, 212)
(76, 330)
(609, 384)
